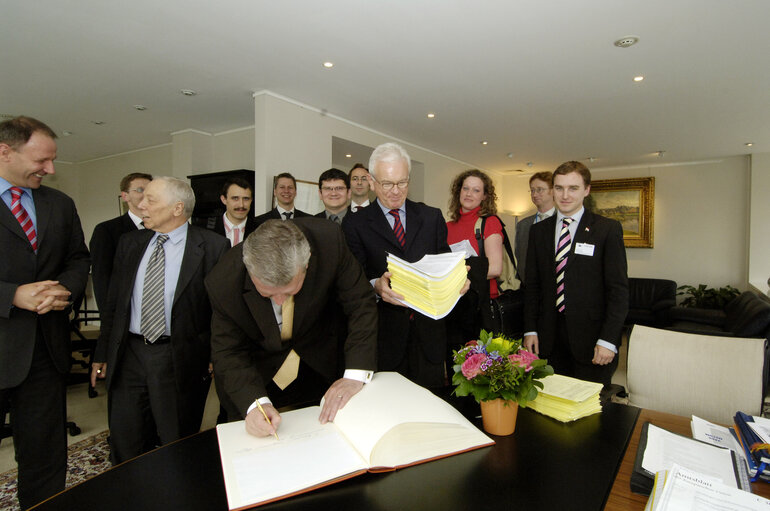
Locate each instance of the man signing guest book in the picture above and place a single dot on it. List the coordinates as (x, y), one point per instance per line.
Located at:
(272, 342)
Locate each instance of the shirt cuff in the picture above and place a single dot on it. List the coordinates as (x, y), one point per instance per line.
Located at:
(608, 345)
(263, 401)
(529, 333)
(358, 375)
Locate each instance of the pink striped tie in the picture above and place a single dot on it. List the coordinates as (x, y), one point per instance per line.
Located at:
(23, 218)
(565, 242)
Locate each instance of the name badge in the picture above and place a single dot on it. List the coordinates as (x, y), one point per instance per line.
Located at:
(585, 249)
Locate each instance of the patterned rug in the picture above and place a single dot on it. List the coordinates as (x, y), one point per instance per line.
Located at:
(86, 459)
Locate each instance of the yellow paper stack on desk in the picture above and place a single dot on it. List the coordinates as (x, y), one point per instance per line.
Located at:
(567, 399)
(430, 286)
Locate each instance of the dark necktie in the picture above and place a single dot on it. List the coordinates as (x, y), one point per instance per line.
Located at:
(287, 215)
(334, 218)
(565, 242)
(153, 312)
(22, 217)
(398, 228)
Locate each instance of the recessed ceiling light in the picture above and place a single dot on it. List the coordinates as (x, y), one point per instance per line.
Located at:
(98, 123)
(591, 159)
(188, 92)
(328, 65)
(66, 133)
(530, 164)
(625, 42)
(509, 155)
(484, 142)
(141, 108)
(348, 156)
(749, 144)
(638, 78)
(431, 115)
(660, 154)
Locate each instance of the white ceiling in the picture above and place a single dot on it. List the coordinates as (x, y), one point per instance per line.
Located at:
(540, 79)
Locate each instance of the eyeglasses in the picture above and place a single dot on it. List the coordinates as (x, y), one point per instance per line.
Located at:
(356, 179)
(388, 185)
(137, 190)
(333, 188)
(538, 191)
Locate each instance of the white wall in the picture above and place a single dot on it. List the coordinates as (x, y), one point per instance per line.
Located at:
(759, 229)
(700, 223)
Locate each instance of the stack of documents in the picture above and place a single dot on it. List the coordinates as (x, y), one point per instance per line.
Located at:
(752, 431)
(430, 286)
(567, 399)
(681, 488)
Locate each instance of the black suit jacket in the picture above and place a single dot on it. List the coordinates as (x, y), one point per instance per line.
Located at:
(596, 287)
(104, 242)
(190, 313)
(273, 214)
(251, 224)
(370, 238)
(245, 340)
(62, 255)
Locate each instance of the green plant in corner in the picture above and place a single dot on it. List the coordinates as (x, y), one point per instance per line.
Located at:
(704, 297)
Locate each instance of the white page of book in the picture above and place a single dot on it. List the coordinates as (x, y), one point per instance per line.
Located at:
(262, 468)
(465, 247)
(693, 491)
(664, 449)
(390, 399)
(432, 266)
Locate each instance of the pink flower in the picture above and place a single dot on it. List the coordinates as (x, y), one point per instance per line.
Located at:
(472, 365)
(471, 343)
(523, 359)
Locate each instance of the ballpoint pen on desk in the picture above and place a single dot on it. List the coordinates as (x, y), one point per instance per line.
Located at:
(275, 434)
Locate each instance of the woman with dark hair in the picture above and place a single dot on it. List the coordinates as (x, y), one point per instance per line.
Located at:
(473, 197)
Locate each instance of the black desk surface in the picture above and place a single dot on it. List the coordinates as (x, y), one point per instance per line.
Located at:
(545, 464)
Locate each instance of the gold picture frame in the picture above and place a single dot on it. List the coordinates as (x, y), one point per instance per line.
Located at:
(629, 201)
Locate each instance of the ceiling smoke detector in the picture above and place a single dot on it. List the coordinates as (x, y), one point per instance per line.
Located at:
(625, 42)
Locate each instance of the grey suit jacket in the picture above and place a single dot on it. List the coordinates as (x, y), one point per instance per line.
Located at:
(522, 242)
(62, 255)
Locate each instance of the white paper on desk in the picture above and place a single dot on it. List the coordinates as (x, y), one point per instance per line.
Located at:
(464, 246)
(714, 434)
(761, 427)
(690, 490)
(664, 449)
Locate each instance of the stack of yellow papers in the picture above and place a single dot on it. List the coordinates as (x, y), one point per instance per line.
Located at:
(430, 286)
(567, 399)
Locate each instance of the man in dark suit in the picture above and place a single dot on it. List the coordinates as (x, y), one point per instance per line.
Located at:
(237, 222)
(154, 347)
(104, 240)
(576, 295)
(359, 187)
(334, 192)
(270, 336)
(541, 193)
(284, 191)
(408, 342)
(44, 265)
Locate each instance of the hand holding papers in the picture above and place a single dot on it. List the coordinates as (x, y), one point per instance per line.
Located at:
(432, 285)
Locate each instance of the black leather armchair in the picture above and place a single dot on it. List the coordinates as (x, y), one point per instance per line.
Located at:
(650, 301)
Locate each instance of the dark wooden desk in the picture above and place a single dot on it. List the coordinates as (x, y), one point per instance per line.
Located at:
(544, 465)
(621, 498)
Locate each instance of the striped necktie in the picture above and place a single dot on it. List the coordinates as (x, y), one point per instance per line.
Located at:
(153, 310)
(562, 249)
(398, 228)
(22, 217)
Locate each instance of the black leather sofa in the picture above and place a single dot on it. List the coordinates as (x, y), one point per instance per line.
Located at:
(649, 302)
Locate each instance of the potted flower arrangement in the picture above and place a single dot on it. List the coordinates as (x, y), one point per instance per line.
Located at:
(501, 375)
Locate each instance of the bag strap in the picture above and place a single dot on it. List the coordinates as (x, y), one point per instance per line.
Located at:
(478, 230)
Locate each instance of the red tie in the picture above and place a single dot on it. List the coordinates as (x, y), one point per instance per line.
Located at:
(21, 215)
(398, 227)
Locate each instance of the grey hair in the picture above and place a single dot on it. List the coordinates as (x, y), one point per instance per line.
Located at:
(276, 252)
(179, 191)
(389, 152)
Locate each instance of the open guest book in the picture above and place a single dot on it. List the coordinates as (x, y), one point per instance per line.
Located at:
(392, 423)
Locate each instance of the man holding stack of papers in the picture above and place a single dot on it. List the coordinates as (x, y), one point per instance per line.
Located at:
(407, 342)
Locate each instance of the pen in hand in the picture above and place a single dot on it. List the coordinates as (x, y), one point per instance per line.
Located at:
(268, 420)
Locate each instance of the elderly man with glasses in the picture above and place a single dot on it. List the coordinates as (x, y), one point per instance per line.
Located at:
(408, 342)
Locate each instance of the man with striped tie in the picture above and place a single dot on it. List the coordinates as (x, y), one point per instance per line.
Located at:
(154, 347)
(43, 268)
(576, 294)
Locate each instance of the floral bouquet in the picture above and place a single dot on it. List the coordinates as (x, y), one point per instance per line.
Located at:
(498, 368)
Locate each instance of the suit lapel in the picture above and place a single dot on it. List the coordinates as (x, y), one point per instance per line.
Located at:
(379, 225)
(9, 221)
(261, 309)
(413, 223)
(191, 261)
(43, 211)
(582, 234)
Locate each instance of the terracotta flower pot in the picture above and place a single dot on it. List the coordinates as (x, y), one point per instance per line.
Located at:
(499, 416)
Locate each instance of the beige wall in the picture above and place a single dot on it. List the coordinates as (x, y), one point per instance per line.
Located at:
(759, 225)
(701, 221)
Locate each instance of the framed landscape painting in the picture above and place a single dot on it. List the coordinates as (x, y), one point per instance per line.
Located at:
(629, 201)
